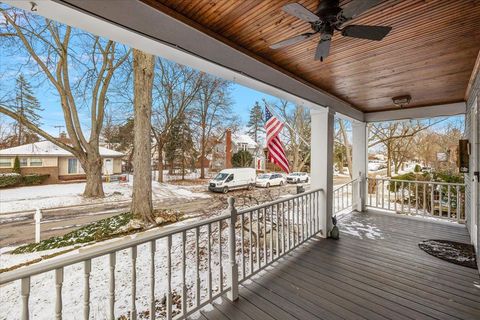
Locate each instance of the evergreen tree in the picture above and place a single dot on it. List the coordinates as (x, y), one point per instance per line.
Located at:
(242, 159)
(179, 146)
(16, 165)
(256, 122)
(27, 106)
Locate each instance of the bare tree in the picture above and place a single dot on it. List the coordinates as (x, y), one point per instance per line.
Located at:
(212, 112)
(393, 135)
(49, 45)
(175, 90)
(143, 70)
(346, 143)
(296, 132)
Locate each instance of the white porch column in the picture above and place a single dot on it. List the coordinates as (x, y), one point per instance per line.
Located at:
(322, 164)
(359, 164)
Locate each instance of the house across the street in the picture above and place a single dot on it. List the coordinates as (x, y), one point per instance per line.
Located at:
(45, 157)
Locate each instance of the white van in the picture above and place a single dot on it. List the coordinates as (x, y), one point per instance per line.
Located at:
(233, 179)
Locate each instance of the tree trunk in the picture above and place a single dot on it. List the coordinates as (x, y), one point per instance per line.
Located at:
(160, 162)
(142, 207)
(93, 172)
(202, 154)
(389, 161)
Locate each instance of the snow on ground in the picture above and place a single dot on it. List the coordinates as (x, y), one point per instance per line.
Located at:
(59, 195)
(42, 298)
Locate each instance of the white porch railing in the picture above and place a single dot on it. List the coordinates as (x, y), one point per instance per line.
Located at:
(189, 261)
(424, 198)
(343, 196)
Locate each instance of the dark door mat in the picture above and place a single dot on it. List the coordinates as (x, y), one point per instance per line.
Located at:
(456, 252)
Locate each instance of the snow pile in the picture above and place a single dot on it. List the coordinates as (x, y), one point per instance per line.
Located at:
(60, 195)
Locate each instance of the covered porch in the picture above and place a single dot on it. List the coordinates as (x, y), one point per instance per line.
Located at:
(375, 271)
(273, 261)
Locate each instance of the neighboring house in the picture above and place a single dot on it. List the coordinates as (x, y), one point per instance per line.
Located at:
(44, 157)
(239, 142)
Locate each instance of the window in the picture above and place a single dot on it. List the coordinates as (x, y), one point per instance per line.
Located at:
(23, 162)
(5, 163)
(72, 166)
(230, 178)
(36, 162)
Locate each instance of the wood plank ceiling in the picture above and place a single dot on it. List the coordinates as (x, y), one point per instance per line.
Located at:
(429, 54)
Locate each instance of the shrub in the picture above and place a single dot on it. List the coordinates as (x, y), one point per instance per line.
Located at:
(34, 179)
(242, 159)
(10, 180)
(417, 168)
(16, 165)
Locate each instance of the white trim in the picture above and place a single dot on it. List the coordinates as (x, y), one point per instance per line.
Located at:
(138, 25)
(440, 110)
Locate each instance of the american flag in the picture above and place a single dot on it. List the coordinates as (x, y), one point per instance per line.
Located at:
(276, 153)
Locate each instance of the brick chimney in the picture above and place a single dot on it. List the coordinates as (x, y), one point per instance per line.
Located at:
(228, 149)
(63, 138)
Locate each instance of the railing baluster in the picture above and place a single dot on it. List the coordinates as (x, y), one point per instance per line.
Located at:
(153, 248)
(440, 213)
(283, 227)
(395, 194)
(169, 277)
(389, 194)
(289, 245)
(271, 234)
(197, 267)
(416, 198)
(449, 202)
(209, 274)
(383, 193)
(432, 200)
(87, 268)
(264, 215)
(134, 283)
(303, 219)
(257, 253)
(242, 242)
(459, 204)
(220, 255)
(58, 293)
(250, 239)
(277, 229)
(402, 194)
(184, 284)
(424, 186)
(111, 292)
(409, 199)
(25, 293)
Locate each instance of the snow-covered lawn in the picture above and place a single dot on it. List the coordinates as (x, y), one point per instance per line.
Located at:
(42, 298)
(59, 195)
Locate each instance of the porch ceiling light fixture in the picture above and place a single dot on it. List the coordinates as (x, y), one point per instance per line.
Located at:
(401, 101)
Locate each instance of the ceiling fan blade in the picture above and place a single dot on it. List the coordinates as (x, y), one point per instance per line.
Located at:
(357, 7)
(323, 50)
(290, 41)
(299, 11)
(366, 32)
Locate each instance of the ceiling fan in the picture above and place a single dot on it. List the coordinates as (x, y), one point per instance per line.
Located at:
(330, 17)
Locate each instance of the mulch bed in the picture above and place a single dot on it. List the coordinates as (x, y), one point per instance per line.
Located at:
(455, 252)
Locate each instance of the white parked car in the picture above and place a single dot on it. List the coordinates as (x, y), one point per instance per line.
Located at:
(232, 179)
(297, 177)
(267, 180)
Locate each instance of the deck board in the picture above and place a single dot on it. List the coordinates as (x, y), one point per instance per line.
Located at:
(375, 271)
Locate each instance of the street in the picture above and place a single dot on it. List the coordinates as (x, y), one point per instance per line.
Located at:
(19, 228)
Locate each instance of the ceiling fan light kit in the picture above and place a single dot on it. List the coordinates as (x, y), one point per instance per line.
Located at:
(329, 18)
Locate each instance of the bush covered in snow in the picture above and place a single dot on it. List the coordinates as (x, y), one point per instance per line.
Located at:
(10, 180)
(15, 179)
(34, 179)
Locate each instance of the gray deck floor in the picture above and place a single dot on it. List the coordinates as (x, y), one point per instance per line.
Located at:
(375, 271)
